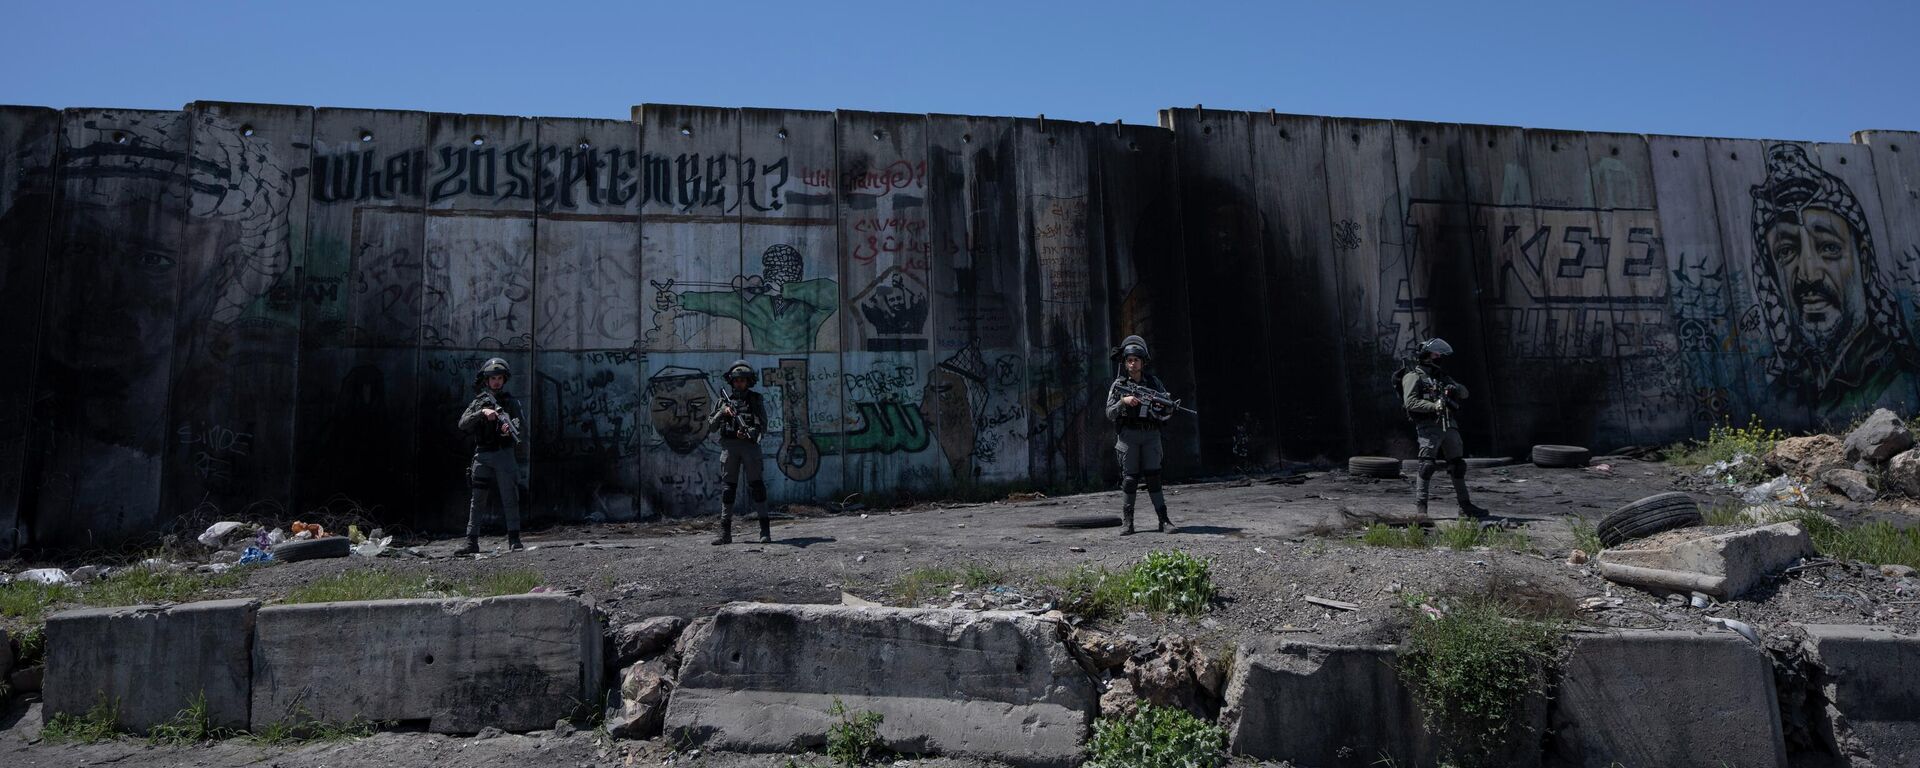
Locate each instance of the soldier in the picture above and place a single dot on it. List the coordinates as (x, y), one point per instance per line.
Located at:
(1430, 397)
(1136, 424)
(739, 422)
(493, 420)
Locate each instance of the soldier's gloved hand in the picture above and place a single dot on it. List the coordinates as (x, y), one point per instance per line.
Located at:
(491, 414)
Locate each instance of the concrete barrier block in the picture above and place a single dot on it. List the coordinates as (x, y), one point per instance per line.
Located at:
(1872, 685)
(151, 661)
(1323, 705)
(985, 684)
(1672, 699)
(516, 663)
(1724, 565)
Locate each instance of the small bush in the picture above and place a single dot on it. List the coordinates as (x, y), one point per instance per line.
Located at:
(922, 583)
(97, 725)
(1092, 593)
(1173, 582)
(190, 726)
(1586, 537)
(1741, 447)
(1473, 667)
(1156, 737)
(855, 740)
(1460, 534)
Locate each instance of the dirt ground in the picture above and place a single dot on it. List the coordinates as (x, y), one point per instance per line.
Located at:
(1273, 542)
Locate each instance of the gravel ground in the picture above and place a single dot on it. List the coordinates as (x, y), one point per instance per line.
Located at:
(1272, 542)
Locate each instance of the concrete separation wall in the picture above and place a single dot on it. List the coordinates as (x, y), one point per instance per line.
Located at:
(1668, 699)
(1322, 705)
(1871, 681)
(152, 661)
(516, 663)
(993, 685)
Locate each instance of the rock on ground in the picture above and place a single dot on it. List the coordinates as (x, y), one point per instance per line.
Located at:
(1882, 436)
(1857, 485)
(1807, 456)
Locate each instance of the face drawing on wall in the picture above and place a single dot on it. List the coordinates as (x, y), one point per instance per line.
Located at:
(679, 399)
(953, 399)
(1839, 336)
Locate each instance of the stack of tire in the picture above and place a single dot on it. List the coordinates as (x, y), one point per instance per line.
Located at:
(1384, 467)
(1560, 456)
(1648, 516)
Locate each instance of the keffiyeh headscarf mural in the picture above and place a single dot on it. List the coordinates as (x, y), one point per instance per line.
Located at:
(233, 180)
(1840, 339)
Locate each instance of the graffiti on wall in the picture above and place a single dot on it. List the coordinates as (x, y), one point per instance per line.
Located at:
(781, 310)
(1840, 339)
(563, 177)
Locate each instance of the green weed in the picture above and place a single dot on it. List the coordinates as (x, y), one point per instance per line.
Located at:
(855, 740)
(100, 723)
(1156, 737)
(380, 584)
(1172, 582)
(1472, 669)
(188, 727)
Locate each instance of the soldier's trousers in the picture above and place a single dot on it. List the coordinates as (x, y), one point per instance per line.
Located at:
(494, 472)
(1140, 452)
(741, 459)
(1439, 444)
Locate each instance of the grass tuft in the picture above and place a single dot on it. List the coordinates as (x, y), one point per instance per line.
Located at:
(100, 723)
(855, 740)
(1473, 667)
(1459, 534)
(382, 584)
(1156, 737)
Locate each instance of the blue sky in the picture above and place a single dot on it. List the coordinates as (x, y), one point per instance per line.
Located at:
(1807, 70)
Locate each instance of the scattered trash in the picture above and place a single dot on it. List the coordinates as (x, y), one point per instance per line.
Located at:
(1076, 549)
(372, 547)
(46, 576)
(1700, 600)
(1577, 557)
(1737, 626)
(308, 530)
(215, 568)
(87, 573)
(1783, 490)
(354, 535)
(255, 555)
(847, 598)
(1601, 603)
(1259, 550)
(216, 535)
(1340, 604)
(1605, 469)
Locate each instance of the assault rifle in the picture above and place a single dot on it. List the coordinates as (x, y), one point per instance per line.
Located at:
(740, 419)
(513, 424)
(1159, 404)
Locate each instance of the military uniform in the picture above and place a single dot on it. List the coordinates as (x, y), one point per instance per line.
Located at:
(1137, 437)
(495, 469)
(1430, 396)
(741, 455)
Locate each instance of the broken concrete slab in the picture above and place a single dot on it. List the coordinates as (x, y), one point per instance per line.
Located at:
(1323, 705)
(987, 684)
(1719, 562)
(639, 704)
(152, 661)
(1669, 699)
(643, 639)
(517, 663)
(1871, 680)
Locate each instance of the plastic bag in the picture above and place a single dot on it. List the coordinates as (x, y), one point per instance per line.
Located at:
(216, 534)
(373, 547)
(46, 576)
(255, 555)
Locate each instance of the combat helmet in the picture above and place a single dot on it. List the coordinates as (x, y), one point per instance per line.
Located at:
(740, 369)
(1434, 347)
(492, 366)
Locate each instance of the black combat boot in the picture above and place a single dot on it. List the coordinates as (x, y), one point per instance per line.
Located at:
(766, 528)
(1164, 524)
(726, 530)
(472, 547)
(1468, 509)
(513, 541)
(1128, 486)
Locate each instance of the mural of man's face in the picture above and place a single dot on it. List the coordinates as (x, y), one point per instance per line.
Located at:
(678, 408)
(1819, 261)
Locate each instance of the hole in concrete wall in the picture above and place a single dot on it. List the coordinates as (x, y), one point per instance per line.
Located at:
(1615, 151)
(686, 130)
(1676, 153)
(1133, 146)
(1733, 155)
(366, 136)
(119, 138)
(736, 657)
(782, 134)
(1052, 140)
(478, 141)
(584, 144)
(1206, 129)
(966, 138)
(418, 725)
(246, 130)
(878, 134)
(1355, 137)
(1285, 135)
(1423, 141)
(429, 658)
(1489, 143)
(1843, 161)
(1894, 147)
(1550, 148)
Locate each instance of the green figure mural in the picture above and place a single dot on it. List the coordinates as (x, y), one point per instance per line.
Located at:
(781, 312)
